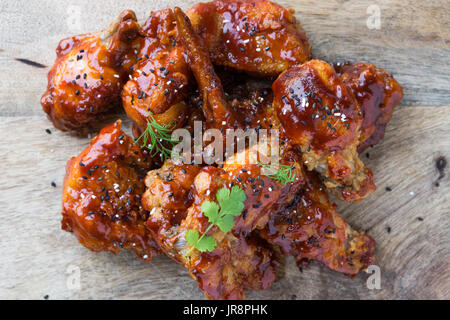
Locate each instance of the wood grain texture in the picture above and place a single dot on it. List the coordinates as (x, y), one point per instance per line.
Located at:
(414, 257)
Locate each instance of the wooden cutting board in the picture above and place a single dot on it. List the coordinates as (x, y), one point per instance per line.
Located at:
(410, 223)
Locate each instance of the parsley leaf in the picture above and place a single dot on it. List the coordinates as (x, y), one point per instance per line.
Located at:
(202, 244)
(210, 210)
(230, 204)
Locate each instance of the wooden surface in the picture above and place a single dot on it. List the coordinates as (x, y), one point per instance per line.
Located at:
(413, 43)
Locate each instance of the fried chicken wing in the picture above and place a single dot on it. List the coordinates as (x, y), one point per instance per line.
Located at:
(311, 229)
(159, 82)
(256, 36)
(217, 112)
(319, 114)
(241, 260)
(377, 93)
(89, 73)
(102, 195)
(237, 263)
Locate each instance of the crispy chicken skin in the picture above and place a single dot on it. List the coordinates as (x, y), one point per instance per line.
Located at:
(241, 259)
(320, 115)
(311, 229)
(255, 36)
(160, 79)
(102, 195)
(377, 93)
(89, 73)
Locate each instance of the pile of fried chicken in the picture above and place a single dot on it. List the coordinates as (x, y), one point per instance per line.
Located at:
(231, 64)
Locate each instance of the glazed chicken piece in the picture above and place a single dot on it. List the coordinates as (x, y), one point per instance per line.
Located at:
(377, 93)
(320, 115)
(89, 73)
(160, 79)
(102, 195)
(241, 260)
(311, 229)
(255, 36)
(217, 113)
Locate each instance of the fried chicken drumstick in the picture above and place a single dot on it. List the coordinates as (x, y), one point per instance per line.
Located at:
(255, 36)
(159, 82)
(102, 195)
(311, 229)
(377, 93)
(89, 73)
(320, 115)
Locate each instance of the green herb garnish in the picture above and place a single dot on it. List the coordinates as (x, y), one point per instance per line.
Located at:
(280, 172)
(220, 214)
(157, 138)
